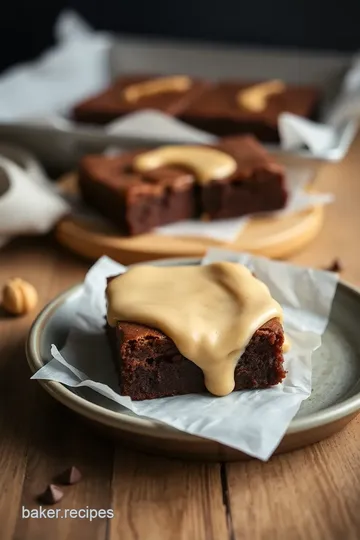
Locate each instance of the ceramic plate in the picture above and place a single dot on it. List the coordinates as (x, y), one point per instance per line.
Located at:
(334, 401)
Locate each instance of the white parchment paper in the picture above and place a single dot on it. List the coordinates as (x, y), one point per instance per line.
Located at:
(29, 203)
(251, 421)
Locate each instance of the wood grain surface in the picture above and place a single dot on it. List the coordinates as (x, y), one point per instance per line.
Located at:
(310, 494)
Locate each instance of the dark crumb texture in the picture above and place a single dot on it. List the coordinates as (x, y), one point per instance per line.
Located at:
(150, 366)
(136, 203)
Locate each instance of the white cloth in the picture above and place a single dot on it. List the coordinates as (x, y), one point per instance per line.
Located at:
(251, 421)
(28, 202)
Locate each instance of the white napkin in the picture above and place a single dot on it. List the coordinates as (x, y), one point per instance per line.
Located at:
(28, 202)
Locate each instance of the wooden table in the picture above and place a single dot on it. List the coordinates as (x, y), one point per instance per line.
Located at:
(311, 494)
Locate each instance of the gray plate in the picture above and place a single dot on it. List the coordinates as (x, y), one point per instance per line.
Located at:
(334, 401)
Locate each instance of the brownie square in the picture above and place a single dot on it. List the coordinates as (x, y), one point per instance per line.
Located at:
(112, 103)
(258, 184)
(136, 202)
(150, 366)
(217, 110)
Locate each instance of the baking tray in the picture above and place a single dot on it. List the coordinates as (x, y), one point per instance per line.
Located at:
(60, 143)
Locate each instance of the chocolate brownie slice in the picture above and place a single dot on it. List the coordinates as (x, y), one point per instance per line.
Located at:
(139, 201)
(150, 366)
(218, 110)
(136, 202)
(115, 102)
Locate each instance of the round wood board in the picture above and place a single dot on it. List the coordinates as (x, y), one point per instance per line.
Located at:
(276, 237)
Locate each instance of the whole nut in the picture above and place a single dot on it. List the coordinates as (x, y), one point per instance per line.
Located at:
(19, 296)
(134, 92)
(255, 98)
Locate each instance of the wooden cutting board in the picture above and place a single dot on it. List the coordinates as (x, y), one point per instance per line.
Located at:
(273, 237)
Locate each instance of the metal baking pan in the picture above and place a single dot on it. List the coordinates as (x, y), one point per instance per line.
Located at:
(59, 145)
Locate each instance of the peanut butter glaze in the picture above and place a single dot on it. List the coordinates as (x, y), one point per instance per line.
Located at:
(205, 162)
(210, 312)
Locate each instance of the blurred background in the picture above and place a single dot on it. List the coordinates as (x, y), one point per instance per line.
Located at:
(26, 28)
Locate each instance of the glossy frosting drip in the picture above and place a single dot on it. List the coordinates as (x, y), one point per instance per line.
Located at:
(210, 312)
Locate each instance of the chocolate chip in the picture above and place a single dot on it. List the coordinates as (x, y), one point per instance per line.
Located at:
(70, 476)
(51, 495)
(335, 266)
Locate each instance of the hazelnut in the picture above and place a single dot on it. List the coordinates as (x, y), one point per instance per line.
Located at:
(19, 296)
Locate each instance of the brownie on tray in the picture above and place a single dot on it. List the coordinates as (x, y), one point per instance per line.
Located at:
(136, 202)
(150, 366)
(230, 108)
(139, 201)
(130, 94)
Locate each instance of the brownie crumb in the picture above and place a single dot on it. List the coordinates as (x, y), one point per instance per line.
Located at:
(70, 476)
(335, 266)
(51, 495)
(150, 366)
